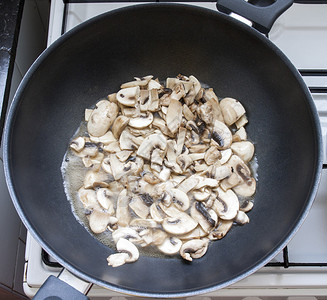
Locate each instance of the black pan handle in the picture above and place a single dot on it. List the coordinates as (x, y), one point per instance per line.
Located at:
(262, 13)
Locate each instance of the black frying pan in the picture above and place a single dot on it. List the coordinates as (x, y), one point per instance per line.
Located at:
(164, 40)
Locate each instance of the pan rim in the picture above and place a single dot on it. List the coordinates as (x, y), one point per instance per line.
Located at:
(10, 120)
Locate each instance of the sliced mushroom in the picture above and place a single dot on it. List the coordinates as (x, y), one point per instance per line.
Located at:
(77, 144)
(158, 237)
(170, 246)
(189, 184)
(151, 142)
(89, 199)
(105, 197)
(225, 155)
(180, 199)
(124, 155)
(201, 196)
(181, 224)
(141, 121)
(189, 116)
(226, 204)
(95, 179)
(184, 161)
(206, 219)
(221, 135)
(127, 141)
(241, 122)
(174, 115)
(144, 223)
(126, 233)
(194, 249)
(212, 155)
(102, 118)
(87, 114)
(180, 140)
(112, 147)
(232, 110)
(156, 213)
(210, 112)
(139, 207)
(164, 174)
(246, 189)
(122, 211)
(221, 230)
(128, 252)
(196, 233)
(105, 139)
(138, 82)
(246, 205)
(128, 96)
(99, 221)
(196, 87)
(119, 125)
(241, 218)
(211, 182)
(244, 150)
(240, 135)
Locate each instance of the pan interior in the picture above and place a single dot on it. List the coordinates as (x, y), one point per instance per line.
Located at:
(163, 40)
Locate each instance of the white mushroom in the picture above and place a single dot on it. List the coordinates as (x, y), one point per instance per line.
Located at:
(232, 110)
(128, 96)
(122, 211)
(126, 233)
(174, 116)
(105, 197)
(151, 142)
(241, 218)
(170, 246)
(128, 252)
(119, 125)
(139, 207)
(221, 230)
(226, 204)
(77, 144)
(206, 219)
(99, 221)
(95, 179)
(212, 155)
(127, 141)
(244, 150)
(180, 199)
(89, 199)
(221, 135)
(156, 213)
(142, 121)
(181, 224)
(194, 249)
(102, 118)
(105, 139)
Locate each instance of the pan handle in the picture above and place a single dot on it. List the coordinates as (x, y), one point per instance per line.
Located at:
(64, 287)
(262, 13)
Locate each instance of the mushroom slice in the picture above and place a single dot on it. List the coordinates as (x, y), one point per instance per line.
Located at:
(105, 196)
(102, 118)
(226, 204)
(153, 103)
(200, 148)
(99, 221)
(184, 161)
(241, 122)
(196, 87)
(112, 147)
(189, 184)
(243, 149)
(128, 96)
(212, 155)
(89, 199)
(220, 172)
(119, 125)
(117, 167)
(139, 207)
(221, 135)
(126, 233)
(170, 246)
(221, 230)
(210, 94)
(105, 139)
(207, 220)
(180, 199)
(225, 155)
(142, 121)
(77, 144)
(174, 115)
(196, 233)
(156, 213)
(87, 114)
(201, 196)
(189, 116)
(194, 249)
(164, 174)
(138, 82)
(180, 140)
(122, 211)
(144, 223)
(241, 218)
(211, 182)
(210, 112)
(95, 179)
(231, 181)
(246, 189)
(128, 252)
(151, 142)
(240, 135)
(246, 205)
(105, 165)
(158, 237)
(181, 224)
(127, 141)
(232, 110)
(124, 155)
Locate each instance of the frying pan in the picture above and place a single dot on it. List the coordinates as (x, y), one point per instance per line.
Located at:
(91, 61)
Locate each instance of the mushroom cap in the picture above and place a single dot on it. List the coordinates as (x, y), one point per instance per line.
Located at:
(232, 110)
(180, 224)
(155, 140)
(194, 249)
(141, 121)
(128, 96)
(226, 204)
(99, 221)
(221, 135)
(180, 199)
(125, 246)
(170, 246)
(243, 149)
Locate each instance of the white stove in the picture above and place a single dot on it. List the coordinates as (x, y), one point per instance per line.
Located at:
(301, 269)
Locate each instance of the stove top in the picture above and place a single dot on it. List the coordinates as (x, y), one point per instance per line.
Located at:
(301, 268)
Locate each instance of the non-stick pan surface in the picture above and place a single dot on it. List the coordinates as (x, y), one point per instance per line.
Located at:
(164, 40)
